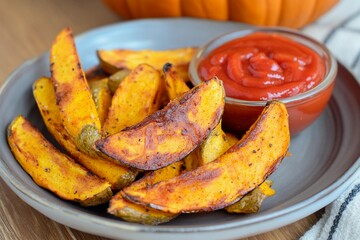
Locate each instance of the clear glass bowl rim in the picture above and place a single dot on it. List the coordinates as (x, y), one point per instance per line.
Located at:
(331, 64)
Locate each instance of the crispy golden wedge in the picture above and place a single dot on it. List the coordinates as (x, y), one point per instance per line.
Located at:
(45, 97)
(224, 181)
(102, 97)
(170, 134)
(132, 212)
(73, 96)
(115, 60)
(215, 144)
(137, 96)
(174, 82)
(213, 147)
(52, 169)
(175, 87)
(252, 201)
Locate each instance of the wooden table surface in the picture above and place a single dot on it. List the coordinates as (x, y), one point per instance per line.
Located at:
(27, 29)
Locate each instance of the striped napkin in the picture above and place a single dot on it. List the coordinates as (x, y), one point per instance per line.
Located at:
(339, 29)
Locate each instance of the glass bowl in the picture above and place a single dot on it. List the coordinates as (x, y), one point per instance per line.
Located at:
(303, 108)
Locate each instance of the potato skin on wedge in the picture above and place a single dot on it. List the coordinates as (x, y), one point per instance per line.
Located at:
(224, 181)
(252, 201)
(73, 96)
(118, 176)
(52, 169)
(170, 134)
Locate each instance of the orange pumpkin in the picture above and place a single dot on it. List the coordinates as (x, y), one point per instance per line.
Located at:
(288, 13)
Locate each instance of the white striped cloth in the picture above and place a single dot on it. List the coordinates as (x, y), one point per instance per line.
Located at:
(339, 29)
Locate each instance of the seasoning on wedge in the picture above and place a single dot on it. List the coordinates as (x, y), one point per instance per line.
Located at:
(170, 134)
(224, 181)
(52, 169)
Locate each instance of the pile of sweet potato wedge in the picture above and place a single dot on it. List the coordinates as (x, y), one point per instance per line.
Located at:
(133, 127)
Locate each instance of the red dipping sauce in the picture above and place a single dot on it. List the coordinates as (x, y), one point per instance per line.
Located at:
(258, 65)
(263, 66)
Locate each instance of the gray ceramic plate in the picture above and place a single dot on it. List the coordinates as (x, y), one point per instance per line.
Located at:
(324, 156)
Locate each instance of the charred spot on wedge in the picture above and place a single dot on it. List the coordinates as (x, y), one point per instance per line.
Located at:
(170, 134)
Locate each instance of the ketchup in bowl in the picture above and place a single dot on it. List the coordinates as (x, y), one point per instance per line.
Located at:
(264, 64)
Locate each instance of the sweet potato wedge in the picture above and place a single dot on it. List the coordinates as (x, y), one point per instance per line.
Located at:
(252, 201)
(213, 147)
(174, 82)
(115, 60)
(102, 97)
(224, 181)
(118, 176)
(215, 144)
(52, 169)
(132, 212)
(170, 134)
(137, 96)
(73, 96)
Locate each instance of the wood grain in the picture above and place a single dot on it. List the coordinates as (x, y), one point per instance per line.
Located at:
(26, 30)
